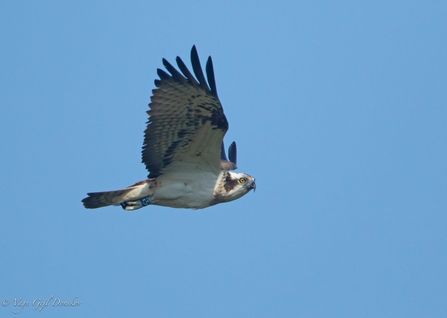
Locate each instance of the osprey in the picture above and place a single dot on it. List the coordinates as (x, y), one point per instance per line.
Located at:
(183, 147)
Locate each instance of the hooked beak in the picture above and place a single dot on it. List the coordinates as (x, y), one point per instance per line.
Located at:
(253, 186)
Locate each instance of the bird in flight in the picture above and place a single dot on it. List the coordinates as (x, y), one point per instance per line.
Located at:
(183, 147)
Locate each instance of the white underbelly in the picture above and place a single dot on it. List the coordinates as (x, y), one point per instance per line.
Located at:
(194, 193)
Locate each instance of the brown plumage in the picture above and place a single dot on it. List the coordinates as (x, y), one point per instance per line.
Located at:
(183, 146)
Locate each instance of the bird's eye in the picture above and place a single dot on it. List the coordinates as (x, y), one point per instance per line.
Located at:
(242, 180)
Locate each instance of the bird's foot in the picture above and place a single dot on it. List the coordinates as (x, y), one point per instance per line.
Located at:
(135, 205)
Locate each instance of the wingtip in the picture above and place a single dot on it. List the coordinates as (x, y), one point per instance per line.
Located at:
(162, 74)
(194, 54)
(210, 74)
(194, 49)
(232, 153)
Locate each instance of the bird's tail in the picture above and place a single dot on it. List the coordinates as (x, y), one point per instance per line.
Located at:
(106, 198)
(101, 199)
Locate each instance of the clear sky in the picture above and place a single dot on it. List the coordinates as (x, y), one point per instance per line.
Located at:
(339, 109)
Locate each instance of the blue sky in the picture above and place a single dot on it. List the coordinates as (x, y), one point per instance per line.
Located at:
(338, 108)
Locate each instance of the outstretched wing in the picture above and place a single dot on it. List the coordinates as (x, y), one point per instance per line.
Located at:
(186, 120)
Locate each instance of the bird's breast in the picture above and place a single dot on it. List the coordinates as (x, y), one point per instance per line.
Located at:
(193, 193)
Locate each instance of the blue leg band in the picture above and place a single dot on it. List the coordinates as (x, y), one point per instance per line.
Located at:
(145, 201)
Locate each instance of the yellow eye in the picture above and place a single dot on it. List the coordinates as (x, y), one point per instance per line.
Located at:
(242, 180)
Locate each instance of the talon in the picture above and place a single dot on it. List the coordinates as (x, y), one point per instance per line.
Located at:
(130, 205)
(135, 205)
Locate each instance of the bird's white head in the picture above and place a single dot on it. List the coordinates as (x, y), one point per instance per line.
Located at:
(233, 185)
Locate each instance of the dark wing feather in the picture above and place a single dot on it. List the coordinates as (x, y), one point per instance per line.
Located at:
(232, 153)
(186, 120)
(210, 75)
(198, 69)
(224, 163)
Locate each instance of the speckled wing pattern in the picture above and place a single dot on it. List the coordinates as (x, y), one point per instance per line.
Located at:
(186, 122)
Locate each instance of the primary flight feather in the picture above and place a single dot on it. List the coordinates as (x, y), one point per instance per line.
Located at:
(183, 147)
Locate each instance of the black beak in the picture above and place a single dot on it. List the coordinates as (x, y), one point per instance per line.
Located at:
(253, 186)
